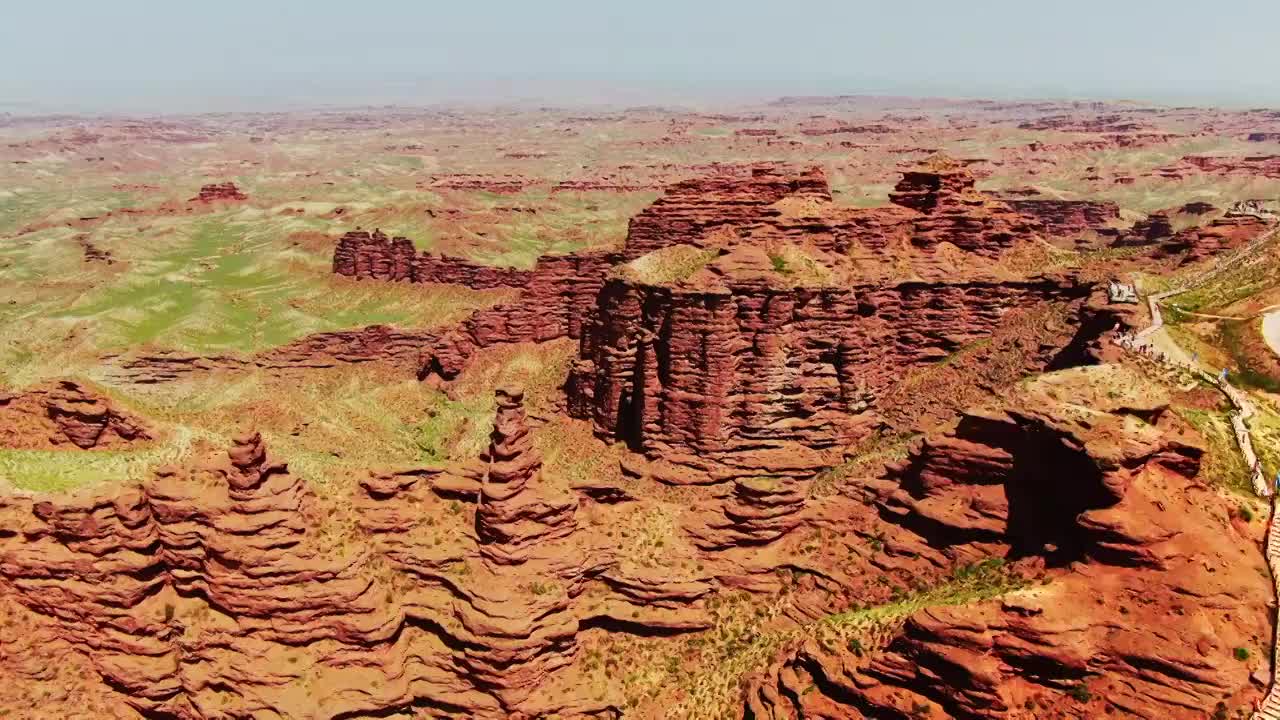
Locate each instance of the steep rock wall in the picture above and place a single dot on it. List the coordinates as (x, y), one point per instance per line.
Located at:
(762, 375)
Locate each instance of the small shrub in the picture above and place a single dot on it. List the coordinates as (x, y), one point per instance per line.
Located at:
(1241, 654)
(779, 264)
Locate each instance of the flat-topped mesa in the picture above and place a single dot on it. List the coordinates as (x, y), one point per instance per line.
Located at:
(219, 192)
(736, 196)
(749, 361)
(516, 509)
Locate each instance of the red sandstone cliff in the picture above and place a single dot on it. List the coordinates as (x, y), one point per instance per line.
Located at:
(1144, 596)
(740, 368)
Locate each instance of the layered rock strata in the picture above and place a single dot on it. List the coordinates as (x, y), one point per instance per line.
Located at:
(552, 305)
(1065, 218)
(371, 344)
(515, 511)
(222, 590)
(955, 213)
(1208, 237)
(374, 256)
(219, 192)
(66, 412)
(934, 204)
(734, 197)
(757, 511)
(1148, 588)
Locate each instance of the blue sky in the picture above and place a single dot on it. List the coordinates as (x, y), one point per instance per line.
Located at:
(264, 54)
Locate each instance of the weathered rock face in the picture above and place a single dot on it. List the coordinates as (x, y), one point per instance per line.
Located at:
(515, 511)
(64, 413)
(954, 212)
(220, 192)
(1197, 242)
(736, 365)
(232, 534)
(371, 344)
(556, 295)
(222, 590)
(1061, 218)
(755, 205)
(932, 205)
(745, 372)
(1218, 235)
(1027, 476)
(757, 511)
(922, 190)
(1147, 588)
(373, 256)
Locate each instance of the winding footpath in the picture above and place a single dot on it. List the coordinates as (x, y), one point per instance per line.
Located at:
(1144, 341)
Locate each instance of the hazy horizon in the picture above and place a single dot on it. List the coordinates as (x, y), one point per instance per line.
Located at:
(132, 56)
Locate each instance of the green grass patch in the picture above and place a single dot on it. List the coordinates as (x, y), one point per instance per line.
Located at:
(56, 471)
(1222, 465)
(672, 264)
(1247, 371)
